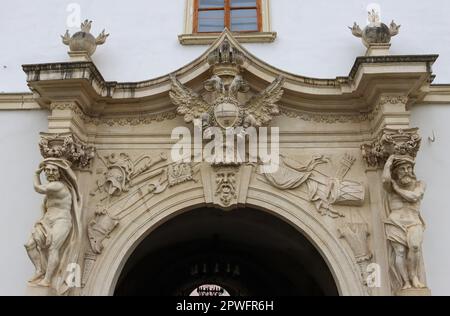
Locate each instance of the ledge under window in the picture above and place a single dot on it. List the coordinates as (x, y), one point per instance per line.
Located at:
(209, 38)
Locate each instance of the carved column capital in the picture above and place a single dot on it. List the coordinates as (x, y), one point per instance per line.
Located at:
(391, 142)
(66, 146)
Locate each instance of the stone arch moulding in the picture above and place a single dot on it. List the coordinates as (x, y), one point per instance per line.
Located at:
(108, 266)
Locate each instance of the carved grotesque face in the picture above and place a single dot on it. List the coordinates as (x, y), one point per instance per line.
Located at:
(226, 185)
(404, 174)
(51, 173)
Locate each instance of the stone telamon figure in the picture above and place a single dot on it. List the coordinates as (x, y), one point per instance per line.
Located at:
(55, 238)
(405, 226)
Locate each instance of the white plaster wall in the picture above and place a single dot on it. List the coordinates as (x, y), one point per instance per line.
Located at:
(19, 136)
(433, 166)
(313, 40)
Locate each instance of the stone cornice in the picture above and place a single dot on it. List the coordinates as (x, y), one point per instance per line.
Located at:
(209, 38)
(428, 59)
(18, 101)
(436, 94)
(82, 83)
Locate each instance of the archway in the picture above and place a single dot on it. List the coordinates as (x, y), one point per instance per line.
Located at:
(244, 251)
(108, 267)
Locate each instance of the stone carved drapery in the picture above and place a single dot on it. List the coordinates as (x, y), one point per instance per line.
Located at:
(55, 242)
(322, 191)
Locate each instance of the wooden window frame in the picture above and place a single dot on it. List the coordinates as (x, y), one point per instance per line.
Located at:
(227, 16)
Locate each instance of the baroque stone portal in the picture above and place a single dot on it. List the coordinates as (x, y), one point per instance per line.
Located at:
(345, 179)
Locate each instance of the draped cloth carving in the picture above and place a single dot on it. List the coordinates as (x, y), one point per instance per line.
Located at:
(322, 190)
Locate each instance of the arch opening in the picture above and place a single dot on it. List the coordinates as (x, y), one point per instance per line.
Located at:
(246, 252)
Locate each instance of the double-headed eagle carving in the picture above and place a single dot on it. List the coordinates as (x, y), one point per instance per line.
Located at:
(226, 111)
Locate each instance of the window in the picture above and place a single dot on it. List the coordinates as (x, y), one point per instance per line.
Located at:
(236, 15)
(249, 20)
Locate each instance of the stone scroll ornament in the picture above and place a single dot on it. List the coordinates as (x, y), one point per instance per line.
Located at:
(55, 240)
(323, 191)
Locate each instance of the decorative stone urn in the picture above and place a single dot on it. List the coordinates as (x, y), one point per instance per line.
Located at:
(376, 34)
(83, 42)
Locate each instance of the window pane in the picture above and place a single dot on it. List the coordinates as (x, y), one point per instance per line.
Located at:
(244, 20)
(211, 3)
(243, 3)
(211, 21)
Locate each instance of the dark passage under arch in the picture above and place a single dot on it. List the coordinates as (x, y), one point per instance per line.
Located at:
(248, 252)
